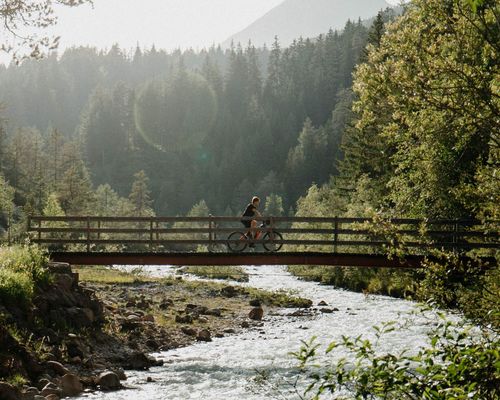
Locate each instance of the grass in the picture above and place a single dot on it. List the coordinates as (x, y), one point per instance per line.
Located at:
(279, 298)
(396, 283)
(17, 380)
(218, 272)
(109, 275)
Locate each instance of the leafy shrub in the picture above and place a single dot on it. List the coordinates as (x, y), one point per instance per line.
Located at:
(15, 286)
(21, 270)
(460, 362)
(29, 260)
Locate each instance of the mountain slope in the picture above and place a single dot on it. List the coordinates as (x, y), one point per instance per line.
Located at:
(307, 18)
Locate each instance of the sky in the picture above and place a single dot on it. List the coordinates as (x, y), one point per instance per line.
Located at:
(169, 24)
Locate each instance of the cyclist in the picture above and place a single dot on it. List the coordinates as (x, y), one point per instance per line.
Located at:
(251, 211)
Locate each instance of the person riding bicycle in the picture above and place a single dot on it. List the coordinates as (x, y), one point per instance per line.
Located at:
(251, 211)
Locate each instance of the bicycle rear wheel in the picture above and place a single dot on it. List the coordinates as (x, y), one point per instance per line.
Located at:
(236, 241)
(269, 244)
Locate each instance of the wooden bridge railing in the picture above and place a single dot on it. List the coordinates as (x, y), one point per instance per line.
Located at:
(351, 235)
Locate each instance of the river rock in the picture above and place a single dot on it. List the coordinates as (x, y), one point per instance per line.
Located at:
(32, 390)
(9, 392)
(71, 385)
(216, 312)
(254, 303)
(165, 304)
(229, 291)
(183, 319)
(38, 397)
(188, 331)
(204, 335)
(322, 303)
(75, 349)
(108, 380)
(42, 382)
(256, 313)
(120, 373)
(80, 317)
(51, 388)
(57, 367)
(52, 396)
(328, 310)
(148, 318)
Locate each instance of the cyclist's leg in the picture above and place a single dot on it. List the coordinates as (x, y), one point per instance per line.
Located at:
(247, 225)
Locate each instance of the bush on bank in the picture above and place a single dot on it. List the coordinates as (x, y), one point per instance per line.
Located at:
(22, 269)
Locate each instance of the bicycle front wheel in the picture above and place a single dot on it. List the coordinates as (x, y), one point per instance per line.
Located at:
(237, 242)
(269, 241)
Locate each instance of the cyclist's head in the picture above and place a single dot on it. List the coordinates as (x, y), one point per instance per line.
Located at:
(255, 199)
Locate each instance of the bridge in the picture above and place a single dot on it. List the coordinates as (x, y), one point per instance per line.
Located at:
(213, 240)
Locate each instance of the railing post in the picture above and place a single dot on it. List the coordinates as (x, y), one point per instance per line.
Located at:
(210, 227)
(271, 227)
(39, 229)
(99, 230)
(151, 221)
(335, 234)
(88, 234)
(8, 229)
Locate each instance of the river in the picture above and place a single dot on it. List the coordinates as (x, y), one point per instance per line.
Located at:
(225, 367)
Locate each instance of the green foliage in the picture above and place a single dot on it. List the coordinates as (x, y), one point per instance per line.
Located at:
(472, 288)
(280, 298)
(22, 269)
(17, 380)
(458, 363)
(15, 287)
(413, 136)
(384, 281)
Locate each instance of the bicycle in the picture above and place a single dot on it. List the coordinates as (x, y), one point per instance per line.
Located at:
(238, 241)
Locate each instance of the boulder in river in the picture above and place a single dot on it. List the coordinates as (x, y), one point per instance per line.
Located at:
(256, 313)
(108, 380)
(71, 385)
(204, 335)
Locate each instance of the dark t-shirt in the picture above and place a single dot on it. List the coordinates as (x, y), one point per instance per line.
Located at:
(249, 212)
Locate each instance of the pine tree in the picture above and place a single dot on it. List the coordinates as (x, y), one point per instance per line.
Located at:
(274, 205)
(140, 195)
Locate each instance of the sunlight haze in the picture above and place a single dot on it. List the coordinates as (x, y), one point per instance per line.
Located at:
(169, 24)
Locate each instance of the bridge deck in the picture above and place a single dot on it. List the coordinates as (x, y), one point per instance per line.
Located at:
(285, 258)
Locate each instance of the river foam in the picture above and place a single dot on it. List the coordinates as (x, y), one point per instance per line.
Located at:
(226, 367)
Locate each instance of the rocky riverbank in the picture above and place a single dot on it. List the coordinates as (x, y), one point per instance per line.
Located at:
(83, 336)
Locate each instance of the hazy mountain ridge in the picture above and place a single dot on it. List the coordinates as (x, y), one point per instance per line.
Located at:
(305, 18)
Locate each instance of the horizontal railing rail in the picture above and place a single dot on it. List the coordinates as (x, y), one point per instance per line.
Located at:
(355, 235)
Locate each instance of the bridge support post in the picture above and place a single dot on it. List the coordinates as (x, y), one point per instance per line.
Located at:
(335, 234)
(151, 222)
(210, 228)
(88, 234)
